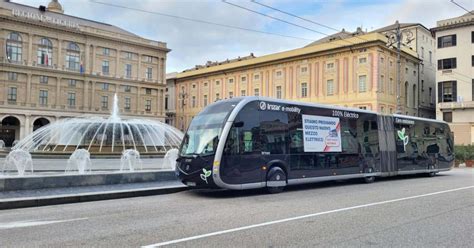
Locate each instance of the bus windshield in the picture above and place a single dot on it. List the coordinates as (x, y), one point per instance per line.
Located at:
(204, 131)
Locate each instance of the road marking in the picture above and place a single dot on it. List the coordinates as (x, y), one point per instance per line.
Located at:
(301, 217)
(28, 223)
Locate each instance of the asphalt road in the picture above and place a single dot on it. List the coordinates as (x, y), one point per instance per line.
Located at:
(397, 212)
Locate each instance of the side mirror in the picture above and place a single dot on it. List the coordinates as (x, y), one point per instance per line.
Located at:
(239, 124)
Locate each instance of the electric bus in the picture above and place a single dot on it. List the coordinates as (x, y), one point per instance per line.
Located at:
(258, 142)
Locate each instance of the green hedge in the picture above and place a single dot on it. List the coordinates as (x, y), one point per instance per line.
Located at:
(463, 153)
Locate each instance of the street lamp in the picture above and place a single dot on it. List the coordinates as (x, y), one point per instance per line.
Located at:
(396, 37)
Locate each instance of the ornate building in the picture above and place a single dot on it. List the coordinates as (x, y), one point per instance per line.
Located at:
(347, 69)
(54, 66)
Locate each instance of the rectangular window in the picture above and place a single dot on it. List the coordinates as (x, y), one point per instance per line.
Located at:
(256, 77)
(448, 116)
(330, 87)
(256, 92)
(166, 102)
(431, 56)
(362, 83)
(447, 41)
(105, 67)
(193, 102)
(472, 60)
(330, 66)
(43, 97)
(472, 37)
(304, 89)
(390, 86)
(243, 79)
(105, 86)
(105, 51)
(431, 95)
(218, 96)
(148, 105)
(128, 104)
(279, 73)
(444, 64)
(381, 60)
(231, 94)
(149, 73)
(148, 59)
(12, 76)
(105, 102)
(304, 69)
(472, 90)
(231, 80)
(43, 79)
(12, 94)
(148, 91)
(128, 70)
(205, 100)
(362, 60)
(72, 82)
(218, 83)
(128, 88)
(71, 99)
(447, 91)
(242, 92)
(278, 92)
(128, 55)
(422, 52)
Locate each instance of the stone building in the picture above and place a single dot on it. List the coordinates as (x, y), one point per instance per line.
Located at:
(455, 75)
(347, 69)
(55, 66)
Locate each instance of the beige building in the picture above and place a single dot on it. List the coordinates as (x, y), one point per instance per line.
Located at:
(55, 66)
(347, 69)
(455, 76)
(170, 104)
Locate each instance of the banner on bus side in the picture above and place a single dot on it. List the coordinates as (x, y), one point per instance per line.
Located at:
(321, 134)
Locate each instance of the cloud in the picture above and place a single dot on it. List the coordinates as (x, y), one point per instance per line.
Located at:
(195, 43)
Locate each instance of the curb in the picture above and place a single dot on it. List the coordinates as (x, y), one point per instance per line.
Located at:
(86, 197)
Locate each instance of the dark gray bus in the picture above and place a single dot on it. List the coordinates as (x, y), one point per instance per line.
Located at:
(257, 142)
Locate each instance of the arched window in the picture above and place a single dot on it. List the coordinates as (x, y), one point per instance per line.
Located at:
(406, 94)
(72, 57)
(45, 52)
(14, 47)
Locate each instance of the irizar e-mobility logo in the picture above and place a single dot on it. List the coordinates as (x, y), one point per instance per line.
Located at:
(403, 137)
(207, 173)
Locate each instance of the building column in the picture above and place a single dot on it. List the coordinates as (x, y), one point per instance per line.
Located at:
(28, 89)
(92, 60)
(117, 63)
(85, 96)
(138, 98)
(28, 127)
(139, 69)
(160, 103)
(92, 94)
(30, 49)
(162, 70)
(60, 62)
(58, 91)
(85, 62)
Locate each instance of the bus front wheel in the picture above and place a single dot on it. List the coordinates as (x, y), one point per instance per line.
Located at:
(276, 180)
(369, 179)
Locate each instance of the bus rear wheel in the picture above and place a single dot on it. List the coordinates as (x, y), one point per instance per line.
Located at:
(369, 179)
(276, 180)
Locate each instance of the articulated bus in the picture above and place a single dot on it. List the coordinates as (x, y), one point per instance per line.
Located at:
(258, 142)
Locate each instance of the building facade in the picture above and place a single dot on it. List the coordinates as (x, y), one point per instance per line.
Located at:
(170, 104)
(55, 66)
(357, 71)
(455, 76)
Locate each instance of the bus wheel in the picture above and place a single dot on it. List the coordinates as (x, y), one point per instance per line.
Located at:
(431, 173)
(369, 179)
(276, 180)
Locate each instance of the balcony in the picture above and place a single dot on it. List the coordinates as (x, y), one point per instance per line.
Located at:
(456, 105)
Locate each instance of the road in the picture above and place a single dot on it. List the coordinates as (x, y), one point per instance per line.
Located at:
(402, 212)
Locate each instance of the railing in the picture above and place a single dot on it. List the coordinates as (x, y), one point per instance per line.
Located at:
(456, 105)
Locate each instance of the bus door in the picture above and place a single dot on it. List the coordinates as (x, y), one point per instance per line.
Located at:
(387, 145)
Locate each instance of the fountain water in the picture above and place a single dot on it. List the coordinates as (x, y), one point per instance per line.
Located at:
(80, 160)
(18, 160)
(111, 135)
(170, 159)
(130, 160)
(2, 144)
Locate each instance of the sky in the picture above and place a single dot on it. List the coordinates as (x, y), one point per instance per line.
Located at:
(194, 43)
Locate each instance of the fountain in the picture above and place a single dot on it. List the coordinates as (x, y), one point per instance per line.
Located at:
(130, 160)
(2, 144)
(170, 159)
(102, 136)
(18, 160)
(80, 160)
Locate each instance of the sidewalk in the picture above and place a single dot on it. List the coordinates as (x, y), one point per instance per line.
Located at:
(53, 196)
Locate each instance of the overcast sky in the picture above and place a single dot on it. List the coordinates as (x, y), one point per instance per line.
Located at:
(195, 43)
